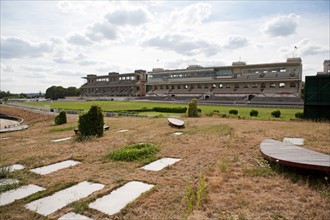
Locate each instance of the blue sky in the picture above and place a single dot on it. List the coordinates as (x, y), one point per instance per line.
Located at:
(45, 43)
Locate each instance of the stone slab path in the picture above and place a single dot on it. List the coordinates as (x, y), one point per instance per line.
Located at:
(58, 200)
(54, 167)
(160, 164)
(119, 198)
(121, 131)
(74, 216)
(294, 141)
(15, 167)
(19, 193)
(61, 139)
(4, 182)
(178, 133)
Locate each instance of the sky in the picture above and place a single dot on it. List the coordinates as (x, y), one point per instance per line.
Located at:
(46, 43)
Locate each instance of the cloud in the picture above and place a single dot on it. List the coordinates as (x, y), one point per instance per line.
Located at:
(184, 63)
(14, 47)
(6, 68)
(70, 73)
(69, 7)
(234, 42)
(87, 63)
(190, 15)
(36, 68)
(281, 26)
(305, 47)
(79, 39)
(182, 45)
(125, 17)
(102, 31)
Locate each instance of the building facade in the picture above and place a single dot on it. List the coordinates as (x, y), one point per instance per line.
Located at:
(238, 79)
(115, 84)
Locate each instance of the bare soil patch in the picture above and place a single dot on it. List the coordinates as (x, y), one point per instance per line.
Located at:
(225, 150)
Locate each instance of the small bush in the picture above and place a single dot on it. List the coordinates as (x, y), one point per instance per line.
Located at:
(233, 112)
(134, 152)
(92, 122)
(60, 119)
(4, 171)
(192, 109)
(276, 113)
(299, 115)
(254, 113)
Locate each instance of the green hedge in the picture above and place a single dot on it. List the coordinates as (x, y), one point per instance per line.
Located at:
(92, 122)
(170, 110)
(299, 115)
(233, 112)
(254, 113)
(276, 113)
(134, 152)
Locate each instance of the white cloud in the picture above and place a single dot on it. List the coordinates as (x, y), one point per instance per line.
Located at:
(6, 68)
(126, 17)
(281, 26)
(303, 48)
(102, 31)
(183, 45)
(234, 42)
(36, 68)
(79, 39)
(70, 7)
(15, 47)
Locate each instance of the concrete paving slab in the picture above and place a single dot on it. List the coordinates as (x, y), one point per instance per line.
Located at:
(58, 200)
(61, 139)
(14, 167)
(119, 198)
(160, 164)
(124, 130)
(19, 193)
(54, 167)
(4, 182)
(74, 216)
(4, 138)
(294, 141)
(178, 133)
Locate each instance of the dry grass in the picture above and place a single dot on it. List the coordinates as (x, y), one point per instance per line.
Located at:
(205, 145)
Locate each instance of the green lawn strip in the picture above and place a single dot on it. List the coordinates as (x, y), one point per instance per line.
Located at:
(121, 106)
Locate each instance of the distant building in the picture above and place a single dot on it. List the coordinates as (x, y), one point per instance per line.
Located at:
(238, 83)
(115, 84)
(267, 79)
(326, 68)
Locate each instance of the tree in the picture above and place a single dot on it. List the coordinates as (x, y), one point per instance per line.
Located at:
(58, 92)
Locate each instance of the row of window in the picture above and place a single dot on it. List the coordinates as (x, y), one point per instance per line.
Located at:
(221, 85)
(111, 79)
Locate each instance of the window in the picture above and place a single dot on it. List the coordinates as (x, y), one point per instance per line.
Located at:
(192, 86)
(166, 87)
(161, 87)
(206, 86)
(228, 86)
(254, 85)
(292, 85)
(199, 86)
(263, 85)
(214, 86)
(172, 87)
(236, 85)
(272, 85)
(281, 85)
(186, 86)
(246, 86)
(178, 86)
(220, 85)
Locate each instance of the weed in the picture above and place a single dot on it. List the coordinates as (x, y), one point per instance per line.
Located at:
(194, 196)
(62, 129)
(81, 206)
(142, 152)
(224, 166)
(263, 169)
(4, 171)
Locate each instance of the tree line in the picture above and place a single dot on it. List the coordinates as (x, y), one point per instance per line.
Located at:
(59, 92)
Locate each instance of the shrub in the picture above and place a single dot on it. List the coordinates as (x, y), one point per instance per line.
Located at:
(276, 113)
(254, 113)
(92, 122)
(134, 152)
(192, 109)
(233, 112)
(60, 118)
(299, 115)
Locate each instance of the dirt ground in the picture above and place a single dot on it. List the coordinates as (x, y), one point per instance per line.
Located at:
(238, 183)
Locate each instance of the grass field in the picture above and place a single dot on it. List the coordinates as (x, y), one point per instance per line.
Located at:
(264, 113)
(221, 175)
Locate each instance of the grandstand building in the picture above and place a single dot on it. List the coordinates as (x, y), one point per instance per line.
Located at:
(115, 84)
(240, 81)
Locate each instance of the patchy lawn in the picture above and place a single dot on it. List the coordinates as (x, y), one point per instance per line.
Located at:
(239, 183)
